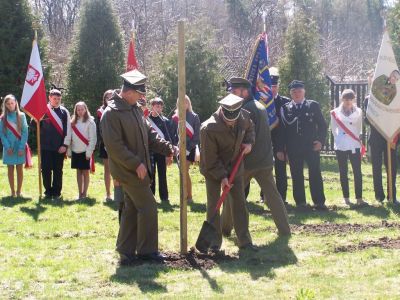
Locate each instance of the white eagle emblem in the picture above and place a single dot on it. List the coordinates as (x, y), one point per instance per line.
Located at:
(32, 75)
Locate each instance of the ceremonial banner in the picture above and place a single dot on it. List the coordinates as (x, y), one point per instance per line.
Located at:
(131, 63)
(33, 99)
(258, 74)
(383, 110)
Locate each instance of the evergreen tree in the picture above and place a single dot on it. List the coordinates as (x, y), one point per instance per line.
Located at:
(301, 59)
(16, 35)
(394, 29)
(97, 57)
(203, 84)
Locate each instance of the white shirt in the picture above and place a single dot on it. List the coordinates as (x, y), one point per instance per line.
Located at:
(353, 122)
(88, 130)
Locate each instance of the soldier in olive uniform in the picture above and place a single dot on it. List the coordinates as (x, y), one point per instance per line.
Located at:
(258, 164)
(222, 137)
(384, 88)
(305, 132)
(128, 138)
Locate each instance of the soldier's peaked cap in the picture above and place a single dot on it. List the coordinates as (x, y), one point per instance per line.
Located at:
(135, 80)
(239, 82)
(295, 84)
(231, 105)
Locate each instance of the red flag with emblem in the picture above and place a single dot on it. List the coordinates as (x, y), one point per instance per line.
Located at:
(131, 63)
(33, 99)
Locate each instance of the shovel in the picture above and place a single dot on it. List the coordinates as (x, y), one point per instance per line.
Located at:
(208, 233)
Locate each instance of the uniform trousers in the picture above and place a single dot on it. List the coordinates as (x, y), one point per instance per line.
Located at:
(238, 210)
(158, 162)
(280, 176)
(265, 179)
(52, 172)
(138, 230)
(296, 163)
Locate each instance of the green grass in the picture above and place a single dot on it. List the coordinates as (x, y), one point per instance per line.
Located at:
(65, 248)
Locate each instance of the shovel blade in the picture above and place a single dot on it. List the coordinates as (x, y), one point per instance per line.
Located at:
(207, 236)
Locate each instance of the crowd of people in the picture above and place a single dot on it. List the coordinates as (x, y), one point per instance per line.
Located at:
(137, 144)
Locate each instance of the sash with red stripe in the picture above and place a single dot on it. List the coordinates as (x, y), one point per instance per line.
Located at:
(28, 154)
(100, 112)
(86, 142)
(349, 132)
(189, 128)
(55, 120)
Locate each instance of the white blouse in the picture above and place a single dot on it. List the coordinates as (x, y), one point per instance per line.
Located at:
(353, 122)
(88, 130)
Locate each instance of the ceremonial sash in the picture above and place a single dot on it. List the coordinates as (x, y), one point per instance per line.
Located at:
(14, 130)
(349, 132)
(55, 120)
(86, 142)
(156, 128)
(189, 128)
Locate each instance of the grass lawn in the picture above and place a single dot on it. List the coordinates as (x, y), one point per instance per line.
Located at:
(65, 248)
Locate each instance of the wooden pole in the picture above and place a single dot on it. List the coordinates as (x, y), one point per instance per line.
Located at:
(389, 172)
(182, 135)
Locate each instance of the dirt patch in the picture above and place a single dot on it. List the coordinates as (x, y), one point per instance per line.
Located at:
(328, 228)
(383, 242)
(192, 260)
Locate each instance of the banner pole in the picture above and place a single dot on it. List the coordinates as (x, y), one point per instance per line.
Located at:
(389, 172)
(182, 136)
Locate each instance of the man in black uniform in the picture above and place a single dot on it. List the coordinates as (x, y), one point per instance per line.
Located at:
(304, 134)
(162, 126)
(277, 136)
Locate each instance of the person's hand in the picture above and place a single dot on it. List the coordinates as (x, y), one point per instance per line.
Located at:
(280, 156)
(87, 158)
(9, 151)
(20, 152)
(246, 148)
(317, 146)
(62, 149)
(169, 160)
(141, 171)
(175, 150)
(225, 183)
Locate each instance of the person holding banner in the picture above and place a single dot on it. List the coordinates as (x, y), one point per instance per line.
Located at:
(192, 139)
(82, 145)
(14, 137)
(55, 137)
(158, 161)
(346, 126)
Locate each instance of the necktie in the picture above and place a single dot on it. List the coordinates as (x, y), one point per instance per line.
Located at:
(298, 106)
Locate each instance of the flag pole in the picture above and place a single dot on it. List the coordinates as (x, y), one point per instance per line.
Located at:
(182, 136)
(389, 171)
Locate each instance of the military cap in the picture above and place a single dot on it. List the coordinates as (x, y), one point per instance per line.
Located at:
(156, 100)
(274, 74)
(135, 80)
(230, 107)
(296, 84)
(239, 82)
(55, 92)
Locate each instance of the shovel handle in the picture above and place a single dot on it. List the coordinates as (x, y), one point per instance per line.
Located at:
(230, 180)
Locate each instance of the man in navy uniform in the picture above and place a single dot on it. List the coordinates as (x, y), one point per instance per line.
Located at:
(304, 134)
(277, 136)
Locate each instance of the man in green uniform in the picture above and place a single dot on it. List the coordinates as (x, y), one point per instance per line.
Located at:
(222, 137)
(384, 88)
(128, 137)
(259, 163)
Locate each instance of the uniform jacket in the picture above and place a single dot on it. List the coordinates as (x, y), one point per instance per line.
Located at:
(88, 129)
(220, 145)
(128, 137)
(353, 122)
(261, 154)
(303, 126)
(277, 134)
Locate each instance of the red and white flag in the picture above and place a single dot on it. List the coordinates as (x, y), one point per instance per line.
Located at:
(33, 99)
(131, 63)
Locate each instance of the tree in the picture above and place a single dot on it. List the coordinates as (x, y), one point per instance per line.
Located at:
(301, 59)
(97, 57)
(16, 35)
(394, 29)
(203, 84)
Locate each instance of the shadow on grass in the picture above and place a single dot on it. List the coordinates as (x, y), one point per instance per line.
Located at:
(144, 276)
(376, 211)
(12, 201)
(166, 206)
(256, 208)
(262, 263)
(298, 216)
(35, 211)
(111, 204)
(60, 202)
(197, 207)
